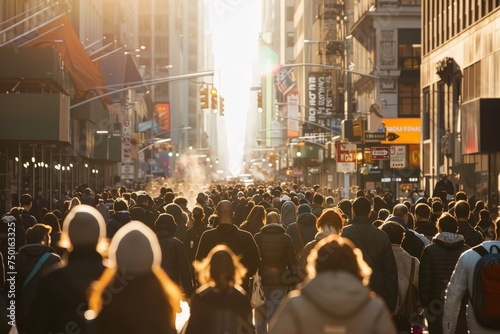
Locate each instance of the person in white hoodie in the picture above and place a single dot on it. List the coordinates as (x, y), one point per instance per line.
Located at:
(336, 299)
(461, 282)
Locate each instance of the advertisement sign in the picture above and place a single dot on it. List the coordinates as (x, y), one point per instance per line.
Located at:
(398, 156)
(406, 130)
(346, 157)
(320, 104)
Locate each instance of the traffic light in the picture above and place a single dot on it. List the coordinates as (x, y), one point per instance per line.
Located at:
(214, 97)
(204, 98)
(259, 101)
(221, 106)
(272, 159)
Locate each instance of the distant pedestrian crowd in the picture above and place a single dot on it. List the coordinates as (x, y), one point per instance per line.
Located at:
(249, 259)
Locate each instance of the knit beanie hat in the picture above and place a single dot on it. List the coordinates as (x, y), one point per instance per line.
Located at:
(84, 226)
(134, 249)
(303, 208)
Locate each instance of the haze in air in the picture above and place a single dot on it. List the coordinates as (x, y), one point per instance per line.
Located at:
(235, 27)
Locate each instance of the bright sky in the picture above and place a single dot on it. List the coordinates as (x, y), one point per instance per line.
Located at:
(235, 26)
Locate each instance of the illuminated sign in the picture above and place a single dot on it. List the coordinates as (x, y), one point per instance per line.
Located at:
(409, 130)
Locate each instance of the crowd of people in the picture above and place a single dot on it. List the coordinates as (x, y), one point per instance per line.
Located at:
(98, 262)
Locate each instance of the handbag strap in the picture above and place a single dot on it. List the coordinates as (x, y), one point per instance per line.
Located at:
(36, 268)
(412, 271)
(300, 235)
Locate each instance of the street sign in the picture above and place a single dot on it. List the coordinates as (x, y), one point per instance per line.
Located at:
(380, 153)
(375, 136)
(346, 167)
(398, 156)
(378, 136)
(346, 157)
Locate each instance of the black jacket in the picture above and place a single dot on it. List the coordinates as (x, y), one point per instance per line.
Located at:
(426, 228)
(240, 242)
(175, 261)
(253, 226)
(472, 237)
(219, 312)
(412, 244)
(436, 266)
(192, 239)
(26, 259)
(277, 267)
(377, 252)
(118, 219)
(306, 223)
(62, 293)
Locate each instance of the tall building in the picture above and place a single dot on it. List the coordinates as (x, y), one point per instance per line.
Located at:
(461, 95)
(384, 76)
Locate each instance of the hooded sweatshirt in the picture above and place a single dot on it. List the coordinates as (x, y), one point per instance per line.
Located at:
(288, 213)
(302, 231)
(332, 302)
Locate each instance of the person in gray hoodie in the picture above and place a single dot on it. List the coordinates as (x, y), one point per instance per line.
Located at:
(336, 298)
(288, 213)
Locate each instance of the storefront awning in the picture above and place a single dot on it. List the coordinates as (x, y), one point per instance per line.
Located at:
(59, 34)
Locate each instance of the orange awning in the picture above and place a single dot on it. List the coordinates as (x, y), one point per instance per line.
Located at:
(59, 34)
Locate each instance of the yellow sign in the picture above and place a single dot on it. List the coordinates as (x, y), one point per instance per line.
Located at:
(409, 130)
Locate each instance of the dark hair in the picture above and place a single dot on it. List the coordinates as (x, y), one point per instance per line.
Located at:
(198, 213)
(345, 205)
(437, 206)
(460, 196)
(394, 230)
(484, 214)
(383, 214)
(361, 206)
(181, 201)
(36, 233)
(447, 223)
(423, 210)
(120, 205)
(165, 222)
(51, 220)
(318, 199)
(26, 199)
(462, 209)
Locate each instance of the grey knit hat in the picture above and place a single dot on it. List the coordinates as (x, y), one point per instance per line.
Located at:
(84, 226)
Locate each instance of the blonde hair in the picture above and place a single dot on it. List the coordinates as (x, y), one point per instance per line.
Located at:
(221, 268)
(273, 218)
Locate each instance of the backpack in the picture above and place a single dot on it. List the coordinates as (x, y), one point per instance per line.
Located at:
(486, 288)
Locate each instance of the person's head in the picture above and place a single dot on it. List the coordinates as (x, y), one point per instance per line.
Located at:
(51, 220)
(422, 211)
(330, 221)
(134, 252)
(272, 217)
(38, 234)
(84, 228)
(120, 205)
(201, 198)
(484, 214)
(318, 199)
(479, 206)
(383, 214)
(330, 201)
(437, 207)
(181, 201)
(304, 208)
(395, 231)
(26, 200)
(337, 254)
(400, 210)
(346, 206)
(221, 268)
(460, 196)
(165, 223)
(447, 223)
(213, 220)
(168, 198)
(462, 210)
(176, 212)
(361, 207)
(142, 199)
(198, 213)
(224, 211)
(257, 213)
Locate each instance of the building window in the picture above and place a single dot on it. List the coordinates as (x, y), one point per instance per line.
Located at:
(290, 12)
(426, 114)
(409, 99)
(409, 49)
(290, 39)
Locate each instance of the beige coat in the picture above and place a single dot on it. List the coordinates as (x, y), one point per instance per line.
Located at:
(332, 302)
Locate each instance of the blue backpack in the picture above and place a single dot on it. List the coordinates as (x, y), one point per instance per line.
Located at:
(486, 287)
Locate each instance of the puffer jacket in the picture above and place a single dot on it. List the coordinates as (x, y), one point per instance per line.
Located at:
(426, 228)
(413, 242)
(437, 264)
(377, 252)
(306, 223)
(335, 300)
(277, 267)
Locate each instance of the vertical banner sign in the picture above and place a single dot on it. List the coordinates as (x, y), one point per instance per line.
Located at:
(127, 166)
(398, 156)
(346, 157)
(319, 108)
(292, 108)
